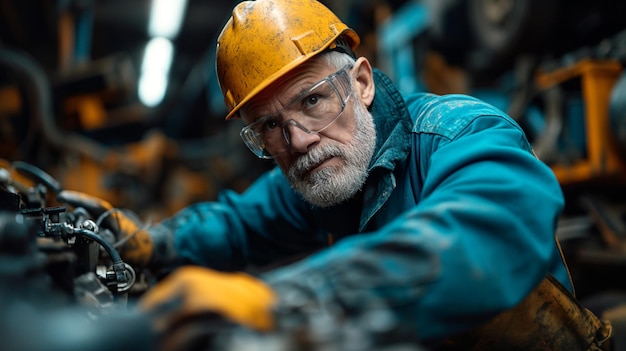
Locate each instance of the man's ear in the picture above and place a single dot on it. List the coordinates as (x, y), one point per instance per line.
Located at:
(364, 81)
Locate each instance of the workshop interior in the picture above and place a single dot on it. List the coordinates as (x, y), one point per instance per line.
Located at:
(119, 99)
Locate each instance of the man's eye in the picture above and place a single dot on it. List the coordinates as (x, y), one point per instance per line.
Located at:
(311, 100)
(270, 125)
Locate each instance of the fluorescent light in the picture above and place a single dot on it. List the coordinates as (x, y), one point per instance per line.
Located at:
(166, 17)
(155, 68)
(158, 55)
(151, 89)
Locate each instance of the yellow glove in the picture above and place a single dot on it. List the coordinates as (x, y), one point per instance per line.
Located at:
(237, 297)
(134, 243)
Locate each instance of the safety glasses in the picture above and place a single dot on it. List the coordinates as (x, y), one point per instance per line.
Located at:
(312, 111)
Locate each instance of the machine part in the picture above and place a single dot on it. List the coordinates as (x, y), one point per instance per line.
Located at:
(31, 194)
(89, 225)
(34, 81)
(90, 292)
(545, 144)
(112, 76)
(16, 237)
(617, 112)
(608, 220)
(597, 79)
(131, 277)
(108, 247)
(398, 41)
(121, 276)
(448, 27)
(9, 200)
(246, 63)
(56, 226)
(87, 251)
(38, 175)
(53, 296)
(503, 29)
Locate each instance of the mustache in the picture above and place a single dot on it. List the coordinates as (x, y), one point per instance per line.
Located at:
(314, 157)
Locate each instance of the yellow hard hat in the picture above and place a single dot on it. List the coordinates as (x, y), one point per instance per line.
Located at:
(265, 39)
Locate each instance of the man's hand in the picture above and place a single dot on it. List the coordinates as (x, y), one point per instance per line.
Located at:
(134, 243)
(237, 297)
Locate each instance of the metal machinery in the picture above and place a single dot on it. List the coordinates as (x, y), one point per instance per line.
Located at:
(64, 287)
(71, 120)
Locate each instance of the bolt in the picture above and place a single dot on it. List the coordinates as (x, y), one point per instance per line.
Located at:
(89, 225)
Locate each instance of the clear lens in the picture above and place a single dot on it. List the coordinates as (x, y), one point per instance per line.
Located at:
(312, 111)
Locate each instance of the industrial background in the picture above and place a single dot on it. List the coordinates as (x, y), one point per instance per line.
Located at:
(72, 106)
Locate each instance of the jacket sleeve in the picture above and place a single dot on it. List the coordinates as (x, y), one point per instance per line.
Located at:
(480, 238)
(267, 223)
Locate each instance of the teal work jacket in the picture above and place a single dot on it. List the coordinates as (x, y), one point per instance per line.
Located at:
(455, 224)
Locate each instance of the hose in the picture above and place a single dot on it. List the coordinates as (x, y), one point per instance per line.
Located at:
(108, 247)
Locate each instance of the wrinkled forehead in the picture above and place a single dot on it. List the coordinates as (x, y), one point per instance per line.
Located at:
(280, 93)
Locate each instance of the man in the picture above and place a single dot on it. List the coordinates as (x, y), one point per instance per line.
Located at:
(433, 209)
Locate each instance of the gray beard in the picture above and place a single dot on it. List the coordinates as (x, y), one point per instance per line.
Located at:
(334, 185)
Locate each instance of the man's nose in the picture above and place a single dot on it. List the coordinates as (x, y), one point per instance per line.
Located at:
(299, 138)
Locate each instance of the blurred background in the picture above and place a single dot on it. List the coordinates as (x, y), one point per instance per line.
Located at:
(118, 98)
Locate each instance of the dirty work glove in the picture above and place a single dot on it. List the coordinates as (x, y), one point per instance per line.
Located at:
(238, 297)
(133, 241)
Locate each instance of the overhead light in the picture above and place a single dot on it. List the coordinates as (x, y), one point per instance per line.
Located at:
(155, 69)
(158, 55)
(151, 89)
(166, 17)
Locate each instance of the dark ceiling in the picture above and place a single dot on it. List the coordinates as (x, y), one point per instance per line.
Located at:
(122, 24)
(108, 26)
(105, 28)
